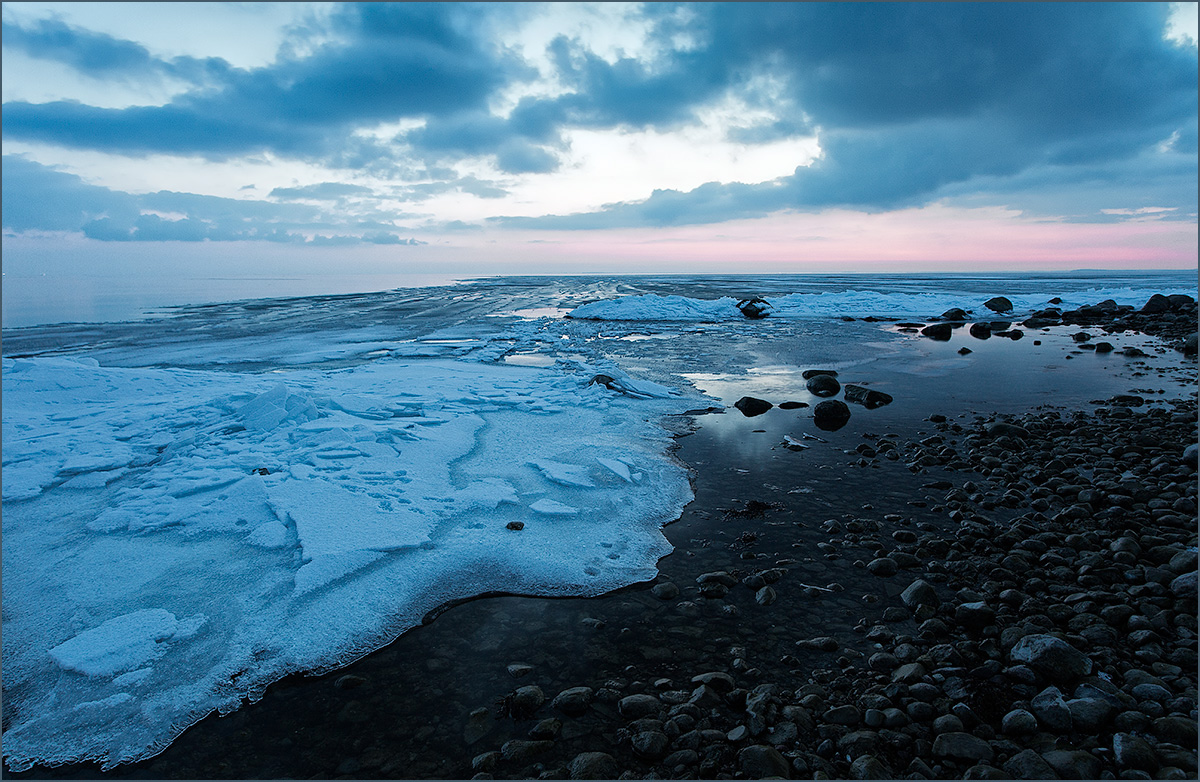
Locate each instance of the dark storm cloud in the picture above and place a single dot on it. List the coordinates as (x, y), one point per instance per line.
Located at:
(910, 101)
(38, 198)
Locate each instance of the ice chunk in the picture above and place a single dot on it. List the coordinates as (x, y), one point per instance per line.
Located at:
(620, 469)
(271, 408)
(330, 519)
(122, 643)
(326, 569)
(553, 508)
(271, 534)
(566, 474)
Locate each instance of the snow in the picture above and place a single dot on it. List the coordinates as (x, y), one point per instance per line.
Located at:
(177, 539)
(852, 303)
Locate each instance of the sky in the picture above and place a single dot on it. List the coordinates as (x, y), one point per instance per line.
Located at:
(221, 138)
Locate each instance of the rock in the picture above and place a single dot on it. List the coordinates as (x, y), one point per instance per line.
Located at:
(975, 615)
(1184, 586)
(938, 331)
(755, 309)
(965, 351)
(516, 526)
(721, 682)
(909, 673)
(823, 385)
(521, 751)
(831, 415)
(1001, 429)
(823, 643)
(573, 701)
(1019, 722)
(548, 728)
(1028, 764)
(1089, 714)
(962, 747)
(920, 593)
(637, 706)
(485, 761)
(869, 767)
(999, 304)
(809, 374)
(1051, 710)
(650, 744)
(1052, 657)
(843, 715)
(1191, 453)
(1158, 303)
(792, 405)
(765, 596)
(981, 331)
(517, 670)
(760, 761)
(866, 397)
(883, 567)
(1132, 751)
(526, 700)
(954, 313)
(1104, 347)
(1177, 730)
(751, 407)
(593, 765)
(665, 591)
(1189, 346)
(1073, 764)
(479, 724)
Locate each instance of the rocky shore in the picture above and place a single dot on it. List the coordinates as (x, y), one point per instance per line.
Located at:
(1045, 629)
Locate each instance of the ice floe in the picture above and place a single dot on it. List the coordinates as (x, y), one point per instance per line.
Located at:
(177, 539)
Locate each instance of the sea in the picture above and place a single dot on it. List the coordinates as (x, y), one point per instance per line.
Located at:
(203, 500)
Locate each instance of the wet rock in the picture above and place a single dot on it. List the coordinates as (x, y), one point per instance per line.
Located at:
(721, 682)
(790, 405)
(962, 747)
(938, 331)
(755, 308)
(1073, 764)
(843, 715)
(593, 765)
(650, 744)
(954, 313)
(1019, 722)
(883, 567)
(1028, 764)
(1177, 730)
(760, 762)
(523, 751)
(981, 331)
(823, 385)
(548, 728)
(920, 593)
(999, 304)
(809, 374)
(526, 700)
(751, 407)
(683, 757)
(831, 415)
(1052, 657)
(1132, 751)
(1184, 586)
(866, 397)
(870, 767)
(573, 701)
(1089, 714)
(1158, 303)
(1051, 710)
(479, 724)
(638, 706)
(975, 615)
(518, 670)
(1104, 347)
(486, 761)
(665, 591)
(765, 596)
(823, 643)
(1001, 429)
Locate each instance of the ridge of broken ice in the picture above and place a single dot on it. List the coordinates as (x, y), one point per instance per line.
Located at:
(226, 529)
(852, 303)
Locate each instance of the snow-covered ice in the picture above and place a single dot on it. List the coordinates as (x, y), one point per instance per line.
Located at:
(177, 539)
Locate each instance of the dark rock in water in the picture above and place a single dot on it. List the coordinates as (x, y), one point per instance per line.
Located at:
(938, 331)
(1157, 303)
(831, 415)
(1052, 657)
(1128, 400)
(751, 407)
(1037, 323)
(1132, 352)
(981, 331)
(792, 405)
(999, 304)
(755, 309)
(823, 385)
(866, 397)
(965, 351)
(910, 325)
(593, 765)
(1081, 336)
(1001, 429)
(1056, 300)
(573, 701)
(1000, 325)
(760, 762)
(809, 374)
(954, 314)
(665, 591)
(526, 700)
(1013, 334)
(1104, 347)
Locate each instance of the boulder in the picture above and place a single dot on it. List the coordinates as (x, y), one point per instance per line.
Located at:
(980, 331)
(1157, 303)
(866, 397)
(1028, 764)
(831, 415)
(751, 407)
(1052, 657)
(1001, 429)
(998, 304)
(920, 593)
(938, 331)
(1104, 347)
(755, 309)
(869, 767)
(954, 313)
(823, 385)
(809, 374)
(962, 747)
(593, 765)
(573, 701)
(760, 761)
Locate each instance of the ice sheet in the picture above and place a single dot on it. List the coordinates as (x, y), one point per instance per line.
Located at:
(176, 539)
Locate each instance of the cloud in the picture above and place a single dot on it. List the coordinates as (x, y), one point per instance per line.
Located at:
(324, 191)
(40, 199)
